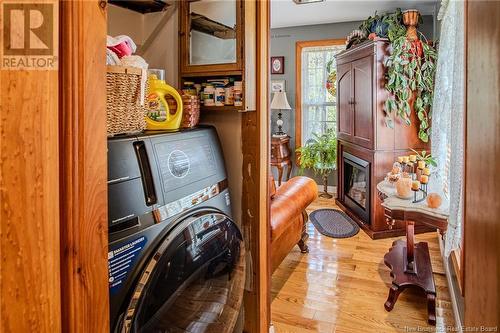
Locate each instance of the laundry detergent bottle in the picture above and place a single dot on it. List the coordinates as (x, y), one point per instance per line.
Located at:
(159, 116)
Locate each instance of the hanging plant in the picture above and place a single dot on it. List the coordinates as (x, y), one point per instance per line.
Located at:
(411, 70)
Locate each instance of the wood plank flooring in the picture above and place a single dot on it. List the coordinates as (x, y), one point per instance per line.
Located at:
(342, 284)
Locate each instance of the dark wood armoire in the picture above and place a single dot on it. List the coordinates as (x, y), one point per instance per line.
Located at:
(367, 148)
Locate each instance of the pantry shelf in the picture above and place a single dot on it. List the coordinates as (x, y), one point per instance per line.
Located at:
(222, 108)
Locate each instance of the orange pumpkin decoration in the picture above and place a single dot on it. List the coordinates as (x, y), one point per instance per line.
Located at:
(434, 200)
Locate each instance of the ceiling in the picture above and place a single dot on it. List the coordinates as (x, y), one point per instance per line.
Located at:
(285, 13)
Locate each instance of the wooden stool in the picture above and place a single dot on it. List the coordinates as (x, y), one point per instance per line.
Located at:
(410, 263)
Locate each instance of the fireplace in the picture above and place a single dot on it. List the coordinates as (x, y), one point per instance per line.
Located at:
(356, 185)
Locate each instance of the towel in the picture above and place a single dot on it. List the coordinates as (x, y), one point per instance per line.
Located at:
(122, 45)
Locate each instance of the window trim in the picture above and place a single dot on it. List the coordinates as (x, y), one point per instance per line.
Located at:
(299, 45)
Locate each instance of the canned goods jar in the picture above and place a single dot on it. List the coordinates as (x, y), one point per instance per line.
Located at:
(219, 96)
(189, 88)
(238, 93)
(209, 94)
(229, 96)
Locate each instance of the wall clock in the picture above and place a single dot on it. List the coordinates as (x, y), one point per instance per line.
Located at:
(278, 65)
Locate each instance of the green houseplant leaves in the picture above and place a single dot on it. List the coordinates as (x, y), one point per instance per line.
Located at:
(411, 70)
(319, 153)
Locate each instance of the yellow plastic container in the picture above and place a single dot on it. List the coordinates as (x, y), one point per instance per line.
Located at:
(159, 117)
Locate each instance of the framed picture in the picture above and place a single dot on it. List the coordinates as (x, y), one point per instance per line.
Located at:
(278, 65)
(277, 85)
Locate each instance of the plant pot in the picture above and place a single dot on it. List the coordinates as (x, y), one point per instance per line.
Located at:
(410, 19)
(325, 193)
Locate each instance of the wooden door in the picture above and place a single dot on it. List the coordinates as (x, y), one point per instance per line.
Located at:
(362, 101)
(344, 100)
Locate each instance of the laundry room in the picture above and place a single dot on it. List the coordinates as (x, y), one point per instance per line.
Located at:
(160, 179)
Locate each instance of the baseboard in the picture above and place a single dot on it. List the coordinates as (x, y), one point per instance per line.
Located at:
(451, 287)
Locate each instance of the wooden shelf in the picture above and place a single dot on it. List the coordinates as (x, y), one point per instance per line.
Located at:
(224, 108)
(142, 6)
(210, 27)
(213, 74)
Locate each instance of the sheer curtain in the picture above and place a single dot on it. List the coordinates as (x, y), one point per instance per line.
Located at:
(447, 135)
(318, 106)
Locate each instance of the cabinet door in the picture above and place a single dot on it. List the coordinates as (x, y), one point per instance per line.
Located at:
(362, 75)
(344, 96)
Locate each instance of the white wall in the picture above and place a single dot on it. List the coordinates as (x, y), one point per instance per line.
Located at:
(163, 50)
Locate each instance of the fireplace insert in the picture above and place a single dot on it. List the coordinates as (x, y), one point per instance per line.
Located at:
(357, 186)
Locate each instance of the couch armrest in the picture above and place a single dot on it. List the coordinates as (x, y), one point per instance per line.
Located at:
(290, 200)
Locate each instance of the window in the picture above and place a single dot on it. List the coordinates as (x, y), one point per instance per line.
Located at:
(316, 107)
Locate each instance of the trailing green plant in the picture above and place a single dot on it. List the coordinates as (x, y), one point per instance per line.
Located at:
(388, 25)
(428, 158)
(411, 70)
(319, 153)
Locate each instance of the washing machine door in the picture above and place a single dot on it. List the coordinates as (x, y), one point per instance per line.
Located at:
(194, 280)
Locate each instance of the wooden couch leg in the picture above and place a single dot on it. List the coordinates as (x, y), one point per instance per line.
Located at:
(303, 238)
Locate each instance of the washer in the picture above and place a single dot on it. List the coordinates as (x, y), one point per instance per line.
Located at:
(176, 258)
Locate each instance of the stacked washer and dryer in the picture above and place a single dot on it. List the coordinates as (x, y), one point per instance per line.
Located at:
(176, 258)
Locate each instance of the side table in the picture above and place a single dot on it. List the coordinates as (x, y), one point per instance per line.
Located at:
(281, 156)
(410, 262)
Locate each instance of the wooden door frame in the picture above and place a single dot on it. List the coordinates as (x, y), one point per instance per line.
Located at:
(299, 45)
(255, 199)
(83, 176)
(482, 148)
(83, 167)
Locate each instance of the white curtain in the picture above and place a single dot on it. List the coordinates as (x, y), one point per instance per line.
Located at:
(318, 106)
(448, 116)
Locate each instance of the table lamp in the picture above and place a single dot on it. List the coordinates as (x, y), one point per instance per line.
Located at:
(280, 102)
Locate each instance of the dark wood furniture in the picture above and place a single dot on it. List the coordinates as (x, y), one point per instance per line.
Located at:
(362, 131)
(281, 156)
(410, 263)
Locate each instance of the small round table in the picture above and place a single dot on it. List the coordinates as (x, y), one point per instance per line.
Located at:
(281, 156)
(410, 262)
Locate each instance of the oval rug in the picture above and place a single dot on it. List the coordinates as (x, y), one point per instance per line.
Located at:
(334, 223)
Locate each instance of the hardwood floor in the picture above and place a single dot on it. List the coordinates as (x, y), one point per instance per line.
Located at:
(342, 284)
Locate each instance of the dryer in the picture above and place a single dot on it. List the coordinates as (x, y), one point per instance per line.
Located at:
(176, 258)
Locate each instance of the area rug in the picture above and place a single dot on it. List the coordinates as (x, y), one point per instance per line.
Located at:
(333, 223)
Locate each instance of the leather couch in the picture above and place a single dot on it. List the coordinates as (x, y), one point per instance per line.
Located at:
(288, 216)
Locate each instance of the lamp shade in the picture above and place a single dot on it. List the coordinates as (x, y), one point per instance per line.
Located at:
(279, 101)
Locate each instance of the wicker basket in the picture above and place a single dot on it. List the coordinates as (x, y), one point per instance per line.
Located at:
(190, 112)
(125, 87)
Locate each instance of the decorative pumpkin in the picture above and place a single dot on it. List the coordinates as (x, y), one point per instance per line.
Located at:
(434, 200)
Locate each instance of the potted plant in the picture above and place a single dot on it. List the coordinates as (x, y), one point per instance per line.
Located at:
(388, 25)
(320, 155)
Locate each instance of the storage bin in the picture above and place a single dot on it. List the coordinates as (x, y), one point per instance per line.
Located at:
(125, 88)
(191, 110)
